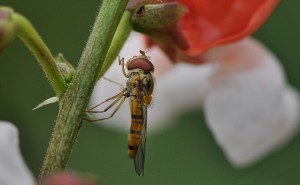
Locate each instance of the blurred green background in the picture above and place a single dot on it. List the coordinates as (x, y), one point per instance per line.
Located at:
(185, 154)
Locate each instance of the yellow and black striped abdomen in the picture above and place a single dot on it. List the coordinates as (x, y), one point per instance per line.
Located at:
(136, 127)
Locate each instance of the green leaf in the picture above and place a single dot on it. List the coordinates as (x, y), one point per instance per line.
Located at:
(47, 102)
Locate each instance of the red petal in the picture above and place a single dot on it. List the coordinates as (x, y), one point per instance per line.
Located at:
(214, 22)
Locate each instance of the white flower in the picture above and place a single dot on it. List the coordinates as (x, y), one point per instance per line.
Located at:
(13, 170)
(251, 110)
(248, 105)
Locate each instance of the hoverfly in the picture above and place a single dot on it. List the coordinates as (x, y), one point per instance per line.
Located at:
(139, 88)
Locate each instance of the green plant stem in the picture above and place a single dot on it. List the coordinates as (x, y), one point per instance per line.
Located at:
(74, 102)
(121, 35)
(33, 41)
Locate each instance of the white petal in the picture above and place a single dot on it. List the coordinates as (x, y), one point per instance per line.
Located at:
(250, 110)
(171, 89)
(13, 170)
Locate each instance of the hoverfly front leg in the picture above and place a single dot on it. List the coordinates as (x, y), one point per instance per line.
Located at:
(121, 62)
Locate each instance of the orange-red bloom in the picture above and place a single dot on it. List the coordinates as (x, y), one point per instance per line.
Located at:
(213, 22)
(209, 23)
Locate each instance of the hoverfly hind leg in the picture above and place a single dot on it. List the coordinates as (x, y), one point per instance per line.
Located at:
(113, 113)
(116, 99)
(120, 94)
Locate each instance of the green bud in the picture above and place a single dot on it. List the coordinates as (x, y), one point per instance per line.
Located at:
(153, 16)
(66, 69)
(8, 27)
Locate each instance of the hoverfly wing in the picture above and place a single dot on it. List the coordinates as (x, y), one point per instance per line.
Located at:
(139, 159)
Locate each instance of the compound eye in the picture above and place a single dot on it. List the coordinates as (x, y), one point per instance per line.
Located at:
(140, 63)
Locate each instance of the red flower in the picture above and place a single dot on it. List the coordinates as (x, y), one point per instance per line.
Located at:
(209, 23)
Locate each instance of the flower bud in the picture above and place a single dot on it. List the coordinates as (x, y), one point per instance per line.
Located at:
(134, 4)
(153, 16)
(66, 69)
(7, 27)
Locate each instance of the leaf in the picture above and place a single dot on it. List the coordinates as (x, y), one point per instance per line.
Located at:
(46, 102)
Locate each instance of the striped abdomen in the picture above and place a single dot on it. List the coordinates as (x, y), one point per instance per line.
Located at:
(136, 127)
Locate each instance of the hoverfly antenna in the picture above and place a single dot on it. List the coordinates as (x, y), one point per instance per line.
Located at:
(143, 52)
(146, 51)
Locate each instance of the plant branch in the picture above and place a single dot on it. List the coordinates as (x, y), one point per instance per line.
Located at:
(33, 41)
(76, 97)
(121, 35)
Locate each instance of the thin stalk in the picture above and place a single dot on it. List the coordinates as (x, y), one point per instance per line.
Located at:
(33, 41)
(121, 35)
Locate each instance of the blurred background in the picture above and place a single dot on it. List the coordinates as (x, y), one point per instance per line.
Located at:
(185, 154)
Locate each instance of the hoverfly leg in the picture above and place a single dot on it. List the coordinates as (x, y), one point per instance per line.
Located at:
(112, 81)
(116, 99)
(121, 62)
(110, 106)
(113, 113)
(80, 125)
(111, 98)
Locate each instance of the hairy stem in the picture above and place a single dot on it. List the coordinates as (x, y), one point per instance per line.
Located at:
(76, 97)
